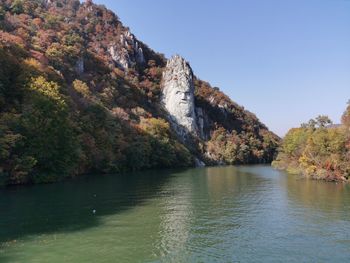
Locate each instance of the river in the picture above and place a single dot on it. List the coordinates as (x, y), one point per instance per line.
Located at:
(219, 214)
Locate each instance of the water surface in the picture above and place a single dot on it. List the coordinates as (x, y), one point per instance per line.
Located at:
(222, 214)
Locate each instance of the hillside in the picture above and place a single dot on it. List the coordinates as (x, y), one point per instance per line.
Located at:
(318, 149)
(79, 93)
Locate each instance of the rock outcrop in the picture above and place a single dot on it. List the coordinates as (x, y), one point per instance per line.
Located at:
(178, 96)
(127, 53)
(203, 123)
(80, 66)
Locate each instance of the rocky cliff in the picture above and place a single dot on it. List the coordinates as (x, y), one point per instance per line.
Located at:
(178, 96)
(127, 53)
(198, 112)
(79, 93)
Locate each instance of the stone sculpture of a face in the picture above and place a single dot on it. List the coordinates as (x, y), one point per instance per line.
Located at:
(184, 101)
(178, 93)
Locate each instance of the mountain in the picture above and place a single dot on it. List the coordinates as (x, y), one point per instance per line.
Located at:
(79, 93)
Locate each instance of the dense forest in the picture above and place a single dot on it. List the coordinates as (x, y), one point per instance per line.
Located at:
(80, 94)
(318, 149)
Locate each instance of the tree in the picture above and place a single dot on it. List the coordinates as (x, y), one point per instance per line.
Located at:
(52, 21)
(323, 121)
(55, 54)
(346, 116)
(156, 127)
(17, 7)
(311, 124)
(2, 13)
(48, 132)
(14, 166)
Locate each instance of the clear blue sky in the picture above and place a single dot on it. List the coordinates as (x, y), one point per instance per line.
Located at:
(286, 61)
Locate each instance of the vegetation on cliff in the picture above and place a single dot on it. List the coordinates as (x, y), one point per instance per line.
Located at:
(80, 94)
(318, 149)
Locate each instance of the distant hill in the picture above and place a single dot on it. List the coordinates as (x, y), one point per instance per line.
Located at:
(334, 126)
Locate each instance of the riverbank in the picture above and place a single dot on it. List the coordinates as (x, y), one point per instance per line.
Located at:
(317, 149)
(316, 175)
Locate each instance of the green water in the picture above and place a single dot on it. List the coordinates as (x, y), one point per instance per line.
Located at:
(223, 214)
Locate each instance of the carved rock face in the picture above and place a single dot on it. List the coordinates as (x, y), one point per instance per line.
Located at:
(178, 95)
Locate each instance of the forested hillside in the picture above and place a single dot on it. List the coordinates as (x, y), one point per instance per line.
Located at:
(318, 149)
(80, 94)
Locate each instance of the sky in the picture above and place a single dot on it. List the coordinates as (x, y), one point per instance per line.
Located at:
(286, 61)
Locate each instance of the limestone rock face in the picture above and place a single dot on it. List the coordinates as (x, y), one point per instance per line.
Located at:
(120, 56)
(127, 51)
(79, 66)
(178, 96)
(203, 123)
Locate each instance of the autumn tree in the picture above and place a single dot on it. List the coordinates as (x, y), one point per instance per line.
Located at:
(81, 88)
(346, 116)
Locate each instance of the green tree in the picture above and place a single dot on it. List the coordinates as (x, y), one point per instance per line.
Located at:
(17, 6)
(2, 13)
(139, 154)
(294, 142)
(311, 124)
(52, 21)
(102, 141)
(81, 88)
(50, 138)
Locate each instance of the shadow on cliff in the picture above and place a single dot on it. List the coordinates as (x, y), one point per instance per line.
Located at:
(225, 119)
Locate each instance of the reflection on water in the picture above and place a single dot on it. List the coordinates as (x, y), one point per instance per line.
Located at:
(221, 214)
(330, 198)
(175, 223)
